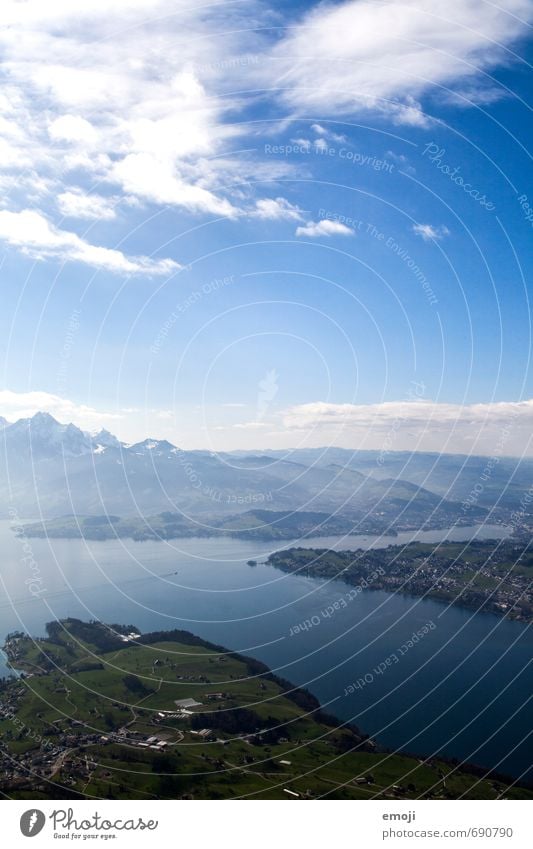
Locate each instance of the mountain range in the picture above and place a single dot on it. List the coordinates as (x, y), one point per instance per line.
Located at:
(50, 470)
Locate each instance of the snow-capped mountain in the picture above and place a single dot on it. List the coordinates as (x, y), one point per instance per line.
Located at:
(53, 469)
(155, 447)
(105, 439)
(43, 436)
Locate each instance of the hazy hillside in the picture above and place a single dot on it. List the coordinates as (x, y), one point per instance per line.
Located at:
(497, 480)
(50, 470)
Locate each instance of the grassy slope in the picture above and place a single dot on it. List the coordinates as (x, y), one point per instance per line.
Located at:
(87, 684)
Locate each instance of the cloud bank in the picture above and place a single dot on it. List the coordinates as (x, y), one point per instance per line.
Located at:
(504, 428)
(416, 425)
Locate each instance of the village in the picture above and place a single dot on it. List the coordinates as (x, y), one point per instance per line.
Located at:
(487, 576)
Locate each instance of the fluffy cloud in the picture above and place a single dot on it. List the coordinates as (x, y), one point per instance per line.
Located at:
(21, 405)
(115, 94)
(430, 233)
(315, 229)
(120, 93)
(155, 179)
(73, 128)
(325, 133)
(277, 209)
(130, 424)
(77, 204)
(360, 54)
(32, 233)
(503, 428)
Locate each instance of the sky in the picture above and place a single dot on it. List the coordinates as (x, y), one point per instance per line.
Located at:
(251, 225)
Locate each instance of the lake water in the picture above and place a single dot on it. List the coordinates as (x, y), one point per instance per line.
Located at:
(461, 690)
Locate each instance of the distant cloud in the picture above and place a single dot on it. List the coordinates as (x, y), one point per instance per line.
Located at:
(420, 425)
(35, 236)
(320, 144)
(253, 425)
(429, 233)
(482, 94)
(402, 161)
(130, 424)
(492, 429)
(301, 142)
(315, 229)
(327, 133)
(22, 405)
(277, 209)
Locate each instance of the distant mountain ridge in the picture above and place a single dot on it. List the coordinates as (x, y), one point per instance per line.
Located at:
(49, 470)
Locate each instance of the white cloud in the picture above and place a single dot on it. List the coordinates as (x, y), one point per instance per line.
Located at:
(73, 128)
(328, 134)
(402, 161)
(60, 11)
(154, 179)
(411, 425)
(277, 209)
(22, 405)
(76, 204)
(130, 424)
(32, 233)
(121, 93)
(480, 94)
(315, 229)
(320, 144)
(301, 142)
(430, 233)
(360, 54)
(420, 425)
(116, 93)
(253, 425)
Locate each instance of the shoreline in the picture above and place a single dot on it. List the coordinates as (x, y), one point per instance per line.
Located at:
(301, 697)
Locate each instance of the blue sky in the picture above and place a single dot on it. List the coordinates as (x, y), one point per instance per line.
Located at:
(269, 225)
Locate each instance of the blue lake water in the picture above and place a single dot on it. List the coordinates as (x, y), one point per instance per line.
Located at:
(461, 690)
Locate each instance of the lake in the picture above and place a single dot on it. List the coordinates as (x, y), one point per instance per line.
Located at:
(460, 689)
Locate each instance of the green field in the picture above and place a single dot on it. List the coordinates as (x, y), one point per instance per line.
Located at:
(81, 723)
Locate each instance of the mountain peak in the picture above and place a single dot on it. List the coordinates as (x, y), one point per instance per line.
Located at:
(106, 439)
(42, 434)
(158, 446)
(45, 419)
